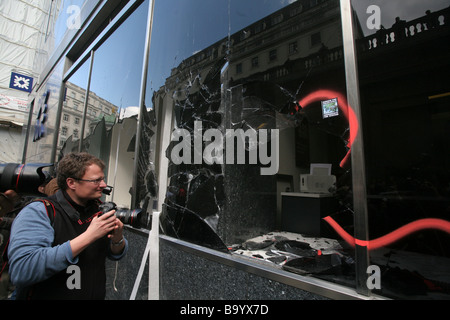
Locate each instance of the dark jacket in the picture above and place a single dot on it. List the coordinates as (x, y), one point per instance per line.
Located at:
(71, 220)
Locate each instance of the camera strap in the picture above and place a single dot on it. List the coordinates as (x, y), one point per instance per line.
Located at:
(50, 208)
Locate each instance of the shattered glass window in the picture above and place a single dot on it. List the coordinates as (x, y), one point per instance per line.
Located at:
(259, 132)
(404, 57)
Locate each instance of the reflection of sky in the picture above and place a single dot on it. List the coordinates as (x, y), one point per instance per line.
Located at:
(63, 16)
(117, 69)
(184, 27)
(405, 9)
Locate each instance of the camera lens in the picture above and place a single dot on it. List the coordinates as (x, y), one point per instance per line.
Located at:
(135, 218)
(22, 178)
(130, 217)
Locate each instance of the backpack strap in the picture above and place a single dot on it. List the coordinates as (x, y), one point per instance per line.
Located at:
(49, 207)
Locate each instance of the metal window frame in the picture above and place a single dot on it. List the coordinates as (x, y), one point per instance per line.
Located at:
(142, 107)
(357, 152)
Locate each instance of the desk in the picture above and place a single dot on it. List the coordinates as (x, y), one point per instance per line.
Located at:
(303, 212)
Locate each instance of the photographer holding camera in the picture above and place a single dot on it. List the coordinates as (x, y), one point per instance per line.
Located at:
(43, 246)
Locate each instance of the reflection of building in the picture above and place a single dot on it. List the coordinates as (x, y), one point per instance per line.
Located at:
(292, 33)
(71, 120)
(299, 31)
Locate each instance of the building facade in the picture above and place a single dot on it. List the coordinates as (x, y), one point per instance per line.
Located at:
(27, 39)
(290, 149)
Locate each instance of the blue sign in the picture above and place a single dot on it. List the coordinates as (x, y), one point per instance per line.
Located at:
(21, 82)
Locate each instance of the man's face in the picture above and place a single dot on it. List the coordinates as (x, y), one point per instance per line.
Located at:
(91, 185)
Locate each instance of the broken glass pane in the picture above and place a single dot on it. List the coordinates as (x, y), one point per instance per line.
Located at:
(254, 102)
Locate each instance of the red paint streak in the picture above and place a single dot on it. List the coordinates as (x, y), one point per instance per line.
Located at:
(18, 177)
(393, 236)
(346, 110)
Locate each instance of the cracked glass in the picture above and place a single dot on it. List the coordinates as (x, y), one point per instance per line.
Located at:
(257, 135)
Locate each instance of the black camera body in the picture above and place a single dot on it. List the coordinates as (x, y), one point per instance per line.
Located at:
(22, 178)
(134, 218)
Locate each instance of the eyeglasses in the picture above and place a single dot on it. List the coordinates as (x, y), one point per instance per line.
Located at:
(96, 181)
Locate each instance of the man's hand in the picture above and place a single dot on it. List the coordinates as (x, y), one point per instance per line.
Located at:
(117, 242)
(117, 234)
(7, 201)
(102, 225)
(99, 227)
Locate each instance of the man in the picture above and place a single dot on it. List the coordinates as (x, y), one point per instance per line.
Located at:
(43, 248)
